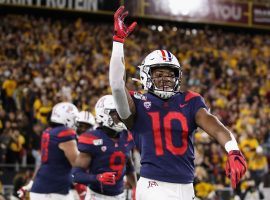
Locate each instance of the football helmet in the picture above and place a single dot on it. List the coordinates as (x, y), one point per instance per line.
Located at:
(160, 59)
(65, 113)
(103, 108)
(86, 117)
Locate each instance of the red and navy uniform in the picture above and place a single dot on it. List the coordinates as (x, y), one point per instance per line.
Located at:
(54, 174)
(163, 132)
(107, 155)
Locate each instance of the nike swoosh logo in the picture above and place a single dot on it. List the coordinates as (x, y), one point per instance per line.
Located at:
(182, 105)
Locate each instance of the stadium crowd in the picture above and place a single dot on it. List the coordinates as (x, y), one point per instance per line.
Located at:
(44, 61)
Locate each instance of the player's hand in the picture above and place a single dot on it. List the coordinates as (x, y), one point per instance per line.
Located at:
(81, 190)
(107, 178)
(23, 190)
(236, 167)
(121, 31)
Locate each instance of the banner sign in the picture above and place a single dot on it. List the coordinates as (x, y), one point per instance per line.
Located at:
(199, 11)
(77, 5)
(261, 15)
(223, 12)
(220, 12)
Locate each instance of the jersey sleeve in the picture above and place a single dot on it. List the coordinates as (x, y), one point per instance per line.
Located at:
(66, 135)
(86, 143)
(196, 100)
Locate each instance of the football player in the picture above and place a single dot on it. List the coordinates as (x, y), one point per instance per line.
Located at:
(85, 121)
(104, 156)
(58, 155)
(165, 120)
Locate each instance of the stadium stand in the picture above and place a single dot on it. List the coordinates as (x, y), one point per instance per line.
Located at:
(45, 60)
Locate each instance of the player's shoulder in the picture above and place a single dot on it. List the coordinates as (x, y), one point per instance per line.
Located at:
(90, 137)
(63, 131)
(129, 136)
(189, 95)
(138, 95)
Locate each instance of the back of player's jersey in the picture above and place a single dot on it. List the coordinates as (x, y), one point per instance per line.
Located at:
(163, 132)
(107, 156)
(54, 175)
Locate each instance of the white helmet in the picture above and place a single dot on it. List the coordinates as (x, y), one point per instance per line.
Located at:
(160, 58)
(86, 117)
(103, 108)
(65, 113)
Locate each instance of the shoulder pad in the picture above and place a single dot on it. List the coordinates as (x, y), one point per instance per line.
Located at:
(65, 133)
(190, 95)
(88, 138)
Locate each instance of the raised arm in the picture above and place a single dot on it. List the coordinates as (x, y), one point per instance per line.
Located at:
(124, 103)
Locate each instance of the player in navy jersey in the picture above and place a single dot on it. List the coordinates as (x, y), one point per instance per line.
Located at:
(104, 156)
(163, 121)
(58, 155)
(85, 122)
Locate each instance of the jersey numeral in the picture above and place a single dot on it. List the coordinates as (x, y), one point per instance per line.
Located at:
(44, 146)
(167, 124)
(117, 163)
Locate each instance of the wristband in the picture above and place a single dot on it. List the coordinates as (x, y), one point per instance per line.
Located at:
(231, 146)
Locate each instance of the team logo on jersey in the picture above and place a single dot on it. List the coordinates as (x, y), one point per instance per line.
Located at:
(138, 95)
(103, 148)
(98, 142)
(147, 104)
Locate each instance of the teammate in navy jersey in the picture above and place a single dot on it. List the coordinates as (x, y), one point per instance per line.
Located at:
(104, 156)
(163, 121)
(85, 122)
(58, 155)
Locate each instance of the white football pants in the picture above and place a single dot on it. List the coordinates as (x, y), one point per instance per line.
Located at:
(51, 196)
(91, 195)
(148, 189)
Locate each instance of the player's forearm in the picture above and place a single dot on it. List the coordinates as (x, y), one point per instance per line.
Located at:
(79, 175)
(117, 83)
(132, 179)
(211, 125)
(222, 134)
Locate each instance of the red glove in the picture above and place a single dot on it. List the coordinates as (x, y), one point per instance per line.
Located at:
(107, 178)
(81, 190)
(236, 167)
(121, 31)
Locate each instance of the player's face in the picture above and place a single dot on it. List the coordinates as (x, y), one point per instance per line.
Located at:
(163, 78)
(83, 127)
(114, 115)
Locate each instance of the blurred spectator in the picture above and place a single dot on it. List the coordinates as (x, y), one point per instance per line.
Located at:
(258, 169)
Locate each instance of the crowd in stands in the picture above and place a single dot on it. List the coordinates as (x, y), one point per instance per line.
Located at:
(44, 61)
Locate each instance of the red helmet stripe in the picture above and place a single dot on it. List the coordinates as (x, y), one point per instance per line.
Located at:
(163, 55)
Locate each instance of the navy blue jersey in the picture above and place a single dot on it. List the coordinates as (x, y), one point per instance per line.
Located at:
(107, 155)
(163, 132)
(54, 174)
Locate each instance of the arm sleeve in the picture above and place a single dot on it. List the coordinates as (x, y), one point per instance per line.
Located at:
(79, 175)
(198, 103)
(117, 83)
